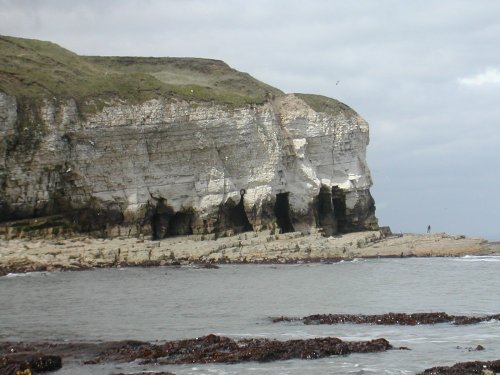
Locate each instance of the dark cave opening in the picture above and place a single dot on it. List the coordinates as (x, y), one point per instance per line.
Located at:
(326, 216)
(165, 222)
(180, 224)
(233, 216)
(238, 217)
(282, 213)
(160, 218)
(339, 208)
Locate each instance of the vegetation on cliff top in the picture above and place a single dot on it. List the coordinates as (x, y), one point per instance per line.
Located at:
(34, 70)
(327, 105)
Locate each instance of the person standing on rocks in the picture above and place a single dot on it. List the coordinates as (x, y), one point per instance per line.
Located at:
(429, 228)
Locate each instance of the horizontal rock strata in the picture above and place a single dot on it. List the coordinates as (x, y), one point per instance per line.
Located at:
(185, 159)
(170, 168)
(390, 319)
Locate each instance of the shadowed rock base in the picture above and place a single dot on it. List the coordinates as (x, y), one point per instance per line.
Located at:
(389, 319)
(466, 368)
(28, 363)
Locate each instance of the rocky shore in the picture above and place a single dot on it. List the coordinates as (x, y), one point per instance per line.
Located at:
(33, 358)
(76, 253)
(42, 357)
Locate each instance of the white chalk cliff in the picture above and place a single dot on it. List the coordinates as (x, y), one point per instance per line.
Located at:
(170, 165)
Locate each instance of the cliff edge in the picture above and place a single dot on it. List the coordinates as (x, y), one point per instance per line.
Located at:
(119, 146)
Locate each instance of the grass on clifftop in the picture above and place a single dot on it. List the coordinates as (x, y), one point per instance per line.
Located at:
(325, 104)
(34, 70)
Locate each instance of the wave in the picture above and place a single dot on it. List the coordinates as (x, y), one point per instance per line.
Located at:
(479, 258)
(358, 260)
(27, 274)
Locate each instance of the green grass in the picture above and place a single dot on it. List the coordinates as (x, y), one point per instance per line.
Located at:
(35, 70)
(327, 105)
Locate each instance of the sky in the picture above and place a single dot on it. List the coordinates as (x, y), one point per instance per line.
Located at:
(424, 74)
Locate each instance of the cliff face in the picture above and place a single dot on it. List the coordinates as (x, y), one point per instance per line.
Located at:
(172, 165)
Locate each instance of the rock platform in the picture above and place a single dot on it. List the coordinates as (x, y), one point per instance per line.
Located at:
(76, 253)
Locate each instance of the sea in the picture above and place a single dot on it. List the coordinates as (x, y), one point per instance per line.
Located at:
(170, 303)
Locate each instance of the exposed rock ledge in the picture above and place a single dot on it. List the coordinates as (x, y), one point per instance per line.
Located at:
(20, 255)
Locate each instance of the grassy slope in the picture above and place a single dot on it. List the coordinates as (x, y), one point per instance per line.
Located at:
(33, 70)
(195, 78)
(327, 105)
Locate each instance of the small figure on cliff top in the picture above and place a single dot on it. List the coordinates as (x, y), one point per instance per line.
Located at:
(428, 229)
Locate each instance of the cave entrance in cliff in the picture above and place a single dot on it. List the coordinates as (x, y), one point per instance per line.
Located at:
(282, 213)
(339, 208)
(160, 218)
(165, 222)
(238, 216)
(233, 216)
(180, 224)
(325, 209)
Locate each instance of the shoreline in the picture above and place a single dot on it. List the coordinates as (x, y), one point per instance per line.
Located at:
(82, 253)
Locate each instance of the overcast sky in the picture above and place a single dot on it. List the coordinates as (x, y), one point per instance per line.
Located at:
(425, 75)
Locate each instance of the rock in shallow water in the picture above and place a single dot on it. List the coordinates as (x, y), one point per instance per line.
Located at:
(466, 368)
(206, 349)
(12, 364)
(389, 319)
(218, 349)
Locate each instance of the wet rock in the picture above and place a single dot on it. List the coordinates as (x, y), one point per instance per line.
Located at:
(28, 363)
(466, 368)
(389, 319)
(461, 320)
(207, 266)
(208, 349)
(147, 373)
(218, 349)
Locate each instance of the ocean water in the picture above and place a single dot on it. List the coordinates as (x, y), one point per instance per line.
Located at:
(167, 303)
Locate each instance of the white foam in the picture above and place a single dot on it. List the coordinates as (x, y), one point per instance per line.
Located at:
(479, 258)
(357, 260)
(26, 274)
